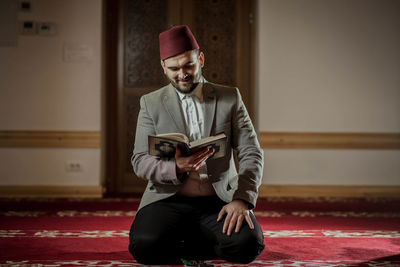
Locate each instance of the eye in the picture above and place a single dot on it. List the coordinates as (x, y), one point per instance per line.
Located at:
(189, 66)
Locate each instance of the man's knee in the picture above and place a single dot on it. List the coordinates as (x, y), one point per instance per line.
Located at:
(153, 250)
(244, 249)
(143, 248)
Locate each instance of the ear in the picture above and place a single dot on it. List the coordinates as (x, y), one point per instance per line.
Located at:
(201, 59)
(163, 66)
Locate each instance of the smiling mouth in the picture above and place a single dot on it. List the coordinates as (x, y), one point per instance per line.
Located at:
(185, 80)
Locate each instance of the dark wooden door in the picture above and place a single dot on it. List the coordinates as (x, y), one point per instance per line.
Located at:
(223, 29)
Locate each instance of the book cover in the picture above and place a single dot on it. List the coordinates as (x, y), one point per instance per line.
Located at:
(164, 145)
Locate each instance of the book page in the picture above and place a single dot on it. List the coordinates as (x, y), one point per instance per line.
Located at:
(175, 136)
(207, 140)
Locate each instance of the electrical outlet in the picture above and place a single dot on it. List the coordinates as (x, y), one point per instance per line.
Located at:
(46, 28)
(73, 166)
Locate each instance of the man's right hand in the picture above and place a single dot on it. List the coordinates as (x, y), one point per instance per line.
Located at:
(193, 162)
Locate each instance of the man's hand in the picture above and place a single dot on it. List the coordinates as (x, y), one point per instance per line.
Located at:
(192, 163)
(235, 211)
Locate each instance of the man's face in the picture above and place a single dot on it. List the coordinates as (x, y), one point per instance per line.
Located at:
(184, 70)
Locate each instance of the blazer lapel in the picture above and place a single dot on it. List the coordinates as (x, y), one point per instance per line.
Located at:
(210, 101)
(172, 106)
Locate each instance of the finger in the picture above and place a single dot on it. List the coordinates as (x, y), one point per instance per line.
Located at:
(200, 154)
(198, 159)
(211, 152)
(203, 150)
(206, 156)
(249, 221)
(232, 223)
(206, 153)
(198, 163)
(226, 223)
(196, 167)
(239, 223)
(221, 214)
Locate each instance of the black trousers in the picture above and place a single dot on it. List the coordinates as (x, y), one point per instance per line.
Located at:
(186, 227)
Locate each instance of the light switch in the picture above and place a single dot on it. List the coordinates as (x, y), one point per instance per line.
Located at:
(25, 6)
(28, 27)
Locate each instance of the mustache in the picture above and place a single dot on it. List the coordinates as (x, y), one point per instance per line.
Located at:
(185, 78)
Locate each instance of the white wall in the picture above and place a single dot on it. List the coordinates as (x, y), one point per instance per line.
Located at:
(33, 166)
(329, 66)
(40, 90)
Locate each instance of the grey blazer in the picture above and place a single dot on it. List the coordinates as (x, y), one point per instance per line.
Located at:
(160, 112)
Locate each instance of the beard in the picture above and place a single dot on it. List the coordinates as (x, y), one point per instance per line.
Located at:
(190, 83)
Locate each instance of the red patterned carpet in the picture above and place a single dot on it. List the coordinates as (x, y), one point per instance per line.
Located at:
(298, 232)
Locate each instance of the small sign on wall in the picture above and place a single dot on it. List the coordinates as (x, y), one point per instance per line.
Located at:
(77, 52)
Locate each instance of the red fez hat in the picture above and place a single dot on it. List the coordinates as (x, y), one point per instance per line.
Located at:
(175, 41)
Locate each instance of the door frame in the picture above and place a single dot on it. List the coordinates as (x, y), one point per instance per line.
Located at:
(111, 71)
(113, 43)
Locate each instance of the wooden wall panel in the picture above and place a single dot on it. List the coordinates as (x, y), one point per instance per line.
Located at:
(329, 191)
(143, 21)
(68, 139)
(278, 140)
(215, 26)
(274, 140)
(39, 191)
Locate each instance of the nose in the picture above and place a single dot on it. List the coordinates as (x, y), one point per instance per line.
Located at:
(181, 73)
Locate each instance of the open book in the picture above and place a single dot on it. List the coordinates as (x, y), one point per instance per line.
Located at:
(164, 145)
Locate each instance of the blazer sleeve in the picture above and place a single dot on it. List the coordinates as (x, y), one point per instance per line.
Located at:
(250, 155)
(151, 168)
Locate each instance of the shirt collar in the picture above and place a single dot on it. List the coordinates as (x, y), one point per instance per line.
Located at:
(198, 92)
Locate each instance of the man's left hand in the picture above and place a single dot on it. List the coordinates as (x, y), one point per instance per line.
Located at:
(236, 212)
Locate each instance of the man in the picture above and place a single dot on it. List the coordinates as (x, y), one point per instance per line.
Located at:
(194, 208)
